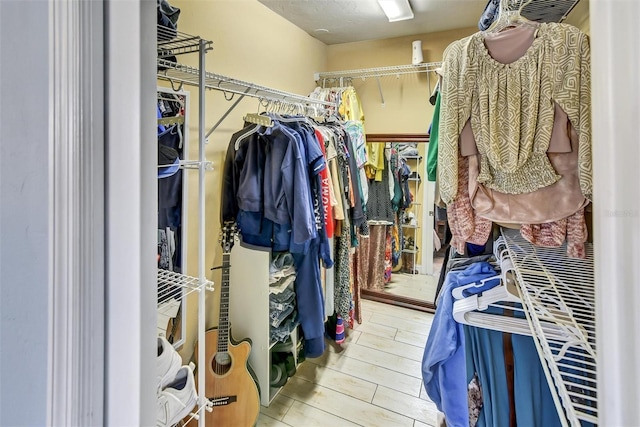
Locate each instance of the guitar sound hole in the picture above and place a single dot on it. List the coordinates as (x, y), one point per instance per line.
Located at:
(221, 363)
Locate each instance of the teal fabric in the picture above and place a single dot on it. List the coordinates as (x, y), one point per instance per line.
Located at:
(534, 406)
(432, 153)
(485, 356)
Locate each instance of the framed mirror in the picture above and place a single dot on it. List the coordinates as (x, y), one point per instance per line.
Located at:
(404, 257)
(173, 147)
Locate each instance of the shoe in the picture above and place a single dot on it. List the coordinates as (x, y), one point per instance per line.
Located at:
(340, 336)
(278, 376)
(290, 365)
(168, 362)
(283, 347)
(178, 399)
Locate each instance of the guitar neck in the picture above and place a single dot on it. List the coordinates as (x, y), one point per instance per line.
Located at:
(223, 323)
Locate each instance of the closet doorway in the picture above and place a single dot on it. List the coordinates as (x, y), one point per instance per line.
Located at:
(414, 243)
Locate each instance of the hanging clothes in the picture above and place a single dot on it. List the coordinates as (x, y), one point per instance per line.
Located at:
(379, 208)
(292, 187)
(443, 362)
(529, 168)
(514, 144)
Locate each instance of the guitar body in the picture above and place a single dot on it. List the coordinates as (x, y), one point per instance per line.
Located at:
(229, 385)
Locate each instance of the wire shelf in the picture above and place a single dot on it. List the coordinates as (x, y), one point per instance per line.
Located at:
(364, 73)
(560, 290)
(175, 285)
(172, 43)
(174, 72)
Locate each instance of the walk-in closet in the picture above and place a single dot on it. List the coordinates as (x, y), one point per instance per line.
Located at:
(285, 213)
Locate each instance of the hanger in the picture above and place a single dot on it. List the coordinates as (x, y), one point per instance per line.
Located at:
(508, 17)
(259, 119)
(480, 309)
(250, 132)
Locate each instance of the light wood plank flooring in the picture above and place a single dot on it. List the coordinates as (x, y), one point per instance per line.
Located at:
(418, 286)
(372, 380)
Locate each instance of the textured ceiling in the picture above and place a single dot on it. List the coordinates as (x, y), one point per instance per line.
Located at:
(344, 21)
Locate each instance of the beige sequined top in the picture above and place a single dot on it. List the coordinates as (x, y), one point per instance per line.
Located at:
(511, 107)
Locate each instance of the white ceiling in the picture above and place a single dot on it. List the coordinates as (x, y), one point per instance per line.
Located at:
(344, 21)
(357, 20)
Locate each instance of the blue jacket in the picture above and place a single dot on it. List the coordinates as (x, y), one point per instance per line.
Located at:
(443, 363)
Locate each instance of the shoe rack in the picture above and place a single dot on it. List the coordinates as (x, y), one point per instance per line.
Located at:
(411, 219)
(249, 313)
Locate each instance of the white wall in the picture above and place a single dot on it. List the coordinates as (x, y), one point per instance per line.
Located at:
(616, 210)
(24, 212)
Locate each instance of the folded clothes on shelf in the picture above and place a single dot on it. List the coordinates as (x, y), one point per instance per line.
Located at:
(276, 317)
(281, 266)
(282, 300)
(282, 332)
(282, 284)
(408, 150)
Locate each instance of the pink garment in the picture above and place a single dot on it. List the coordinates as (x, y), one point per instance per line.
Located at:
(465, 226)
(551, 203)
(548, 216)
(552, 234)
(554, 202)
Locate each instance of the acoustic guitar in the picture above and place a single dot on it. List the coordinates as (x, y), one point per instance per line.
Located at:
(229, 383)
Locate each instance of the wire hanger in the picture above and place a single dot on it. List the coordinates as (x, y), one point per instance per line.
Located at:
(509, 16)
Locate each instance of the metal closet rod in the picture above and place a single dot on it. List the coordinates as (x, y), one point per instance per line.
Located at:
(184, 74)
(394, 70)
(189, 75)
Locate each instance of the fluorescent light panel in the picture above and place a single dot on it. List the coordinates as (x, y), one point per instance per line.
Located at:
(396, 10)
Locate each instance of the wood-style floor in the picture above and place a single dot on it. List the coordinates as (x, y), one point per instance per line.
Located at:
(373, 380)
(417, 286)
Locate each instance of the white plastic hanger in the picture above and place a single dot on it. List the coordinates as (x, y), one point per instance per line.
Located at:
(471, 310)
(510, 17)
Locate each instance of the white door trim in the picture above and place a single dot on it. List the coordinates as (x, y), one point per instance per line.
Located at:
(76, 214)
(131, 212)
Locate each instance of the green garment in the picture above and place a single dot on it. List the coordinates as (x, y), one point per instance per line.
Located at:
(432, 153)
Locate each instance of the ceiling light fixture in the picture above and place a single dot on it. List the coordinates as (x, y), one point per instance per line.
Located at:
(396, 10)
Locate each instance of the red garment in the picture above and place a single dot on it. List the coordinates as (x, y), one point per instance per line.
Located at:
(326, 202)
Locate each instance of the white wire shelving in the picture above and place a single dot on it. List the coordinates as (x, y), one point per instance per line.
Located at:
(171, 284)
(344, 78)
(559, 290)
(175, 72)
(364, 73)
(173, 43)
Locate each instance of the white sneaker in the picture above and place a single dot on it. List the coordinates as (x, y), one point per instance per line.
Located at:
(167, 363)
(178, 399)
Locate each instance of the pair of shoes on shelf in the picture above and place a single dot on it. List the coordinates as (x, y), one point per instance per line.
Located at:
(283, 366)
(283, 363)
(410, 243)
(176, 386)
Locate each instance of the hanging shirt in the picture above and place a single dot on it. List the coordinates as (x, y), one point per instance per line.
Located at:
(432, 150)
(513, 144)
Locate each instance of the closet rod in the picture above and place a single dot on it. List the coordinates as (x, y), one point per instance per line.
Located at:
(190, 75)
(364, 73)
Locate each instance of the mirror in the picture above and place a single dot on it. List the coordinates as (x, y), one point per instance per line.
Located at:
(403, 260)
(173, 140)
